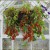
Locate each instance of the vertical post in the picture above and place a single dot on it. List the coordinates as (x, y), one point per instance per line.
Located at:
(49, 36)
(1, 35)
(12, 44)
(31, 44)
(1, 31)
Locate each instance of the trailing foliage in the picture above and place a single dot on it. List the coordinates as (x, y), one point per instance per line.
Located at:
(29, 21)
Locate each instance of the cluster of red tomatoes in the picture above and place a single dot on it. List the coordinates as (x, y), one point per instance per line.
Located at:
(28, 35)
(12, 32)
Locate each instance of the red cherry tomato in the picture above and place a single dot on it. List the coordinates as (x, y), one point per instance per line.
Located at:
(13, 37)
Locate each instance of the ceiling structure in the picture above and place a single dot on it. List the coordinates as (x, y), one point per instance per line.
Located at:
(6, 3)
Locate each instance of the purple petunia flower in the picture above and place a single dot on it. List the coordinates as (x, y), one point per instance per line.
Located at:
(44, 7)
(48, 12)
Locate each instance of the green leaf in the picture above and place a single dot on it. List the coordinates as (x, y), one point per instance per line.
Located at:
(35, 35)
(9, 23)
(43, 37)
(41, 22)
(25, 29)
(11, 11)
(18, 29)
(27, 6)
(15, 17)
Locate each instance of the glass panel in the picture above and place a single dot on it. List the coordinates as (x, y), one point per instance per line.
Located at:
(1, 8)
(7, 45)
(1, 2)
(18, 45)
(46, 32)
(4, 4)
(41, 45)
(7, 2)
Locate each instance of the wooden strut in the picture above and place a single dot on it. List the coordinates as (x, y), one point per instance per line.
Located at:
(12, 44)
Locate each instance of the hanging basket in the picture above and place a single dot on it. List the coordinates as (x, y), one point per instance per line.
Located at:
(26, 19)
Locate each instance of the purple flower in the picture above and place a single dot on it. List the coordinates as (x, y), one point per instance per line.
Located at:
(48, 12)
(44, 7)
